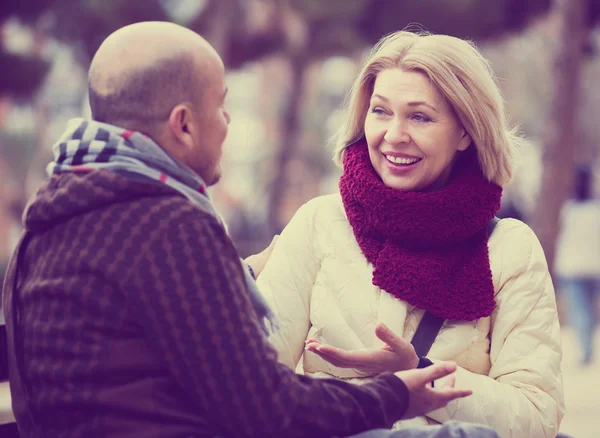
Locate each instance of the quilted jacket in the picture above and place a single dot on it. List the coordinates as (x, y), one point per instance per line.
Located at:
(319, 285)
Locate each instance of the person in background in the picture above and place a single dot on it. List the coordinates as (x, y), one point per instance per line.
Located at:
(425, 151)
(578, 259)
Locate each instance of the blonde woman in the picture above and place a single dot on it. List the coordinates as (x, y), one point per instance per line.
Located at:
(425, 151)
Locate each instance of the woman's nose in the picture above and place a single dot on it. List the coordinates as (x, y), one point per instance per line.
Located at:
(397, 133)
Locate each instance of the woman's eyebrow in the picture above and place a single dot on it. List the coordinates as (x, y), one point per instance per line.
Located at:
(414, 103)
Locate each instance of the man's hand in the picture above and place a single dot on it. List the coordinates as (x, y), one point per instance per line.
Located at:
(397, 355)
(258, 261)
(423, 397)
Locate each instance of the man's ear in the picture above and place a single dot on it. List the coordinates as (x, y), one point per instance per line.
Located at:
(181, 126)
(464, 142)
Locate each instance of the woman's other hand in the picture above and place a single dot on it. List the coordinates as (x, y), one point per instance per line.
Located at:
(397, 354)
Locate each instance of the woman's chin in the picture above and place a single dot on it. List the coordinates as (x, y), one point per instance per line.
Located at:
(401, 185)
(398, 182)
(412, 183)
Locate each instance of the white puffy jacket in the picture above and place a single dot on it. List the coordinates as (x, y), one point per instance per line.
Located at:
(319, 285)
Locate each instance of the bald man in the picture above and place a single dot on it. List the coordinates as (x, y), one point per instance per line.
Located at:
(168, 82)
(129, 312)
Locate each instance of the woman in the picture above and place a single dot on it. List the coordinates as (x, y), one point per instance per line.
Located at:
(425, 152)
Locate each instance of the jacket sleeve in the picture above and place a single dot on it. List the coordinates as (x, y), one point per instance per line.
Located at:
(187, 288)
(523, 393)
(287, 282)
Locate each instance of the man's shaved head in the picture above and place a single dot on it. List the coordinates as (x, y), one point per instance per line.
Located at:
(142, 71)
(168, 82)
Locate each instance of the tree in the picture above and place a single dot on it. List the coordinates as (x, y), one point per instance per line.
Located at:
(559, 145)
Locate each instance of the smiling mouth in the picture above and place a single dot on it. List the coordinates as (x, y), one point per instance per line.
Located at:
(402, 161)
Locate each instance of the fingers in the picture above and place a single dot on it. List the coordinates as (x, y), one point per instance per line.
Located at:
(349, 358)
(444, 392)
(389, 337)
(317, 348)
(333, 361)
(446, 382)
(436, 371)
(361, 359)
(444, 396)
(312, 346)
(435, 399)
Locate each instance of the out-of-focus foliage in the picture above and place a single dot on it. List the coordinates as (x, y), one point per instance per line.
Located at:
(342, 25)
(334, 26)
(27, 11)
(229, 27)
(21, 75)
(88, 22)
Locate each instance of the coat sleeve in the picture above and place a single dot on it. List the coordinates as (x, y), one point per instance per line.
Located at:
(188, 291)
(523, 393)
(287, 281)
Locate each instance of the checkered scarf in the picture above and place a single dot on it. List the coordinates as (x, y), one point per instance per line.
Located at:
(88, 145)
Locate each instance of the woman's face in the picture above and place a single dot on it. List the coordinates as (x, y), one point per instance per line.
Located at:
(412, 132)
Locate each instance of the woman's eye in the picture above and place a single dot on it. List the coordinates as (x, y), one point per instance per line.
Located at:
(377, 110)
(421, 118)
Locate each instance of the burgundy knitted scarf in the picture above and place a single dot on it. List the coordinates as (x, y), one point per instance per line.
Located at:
(428, 248)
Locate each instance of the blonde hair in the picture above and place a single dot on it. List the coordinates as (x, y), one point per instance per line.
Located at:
(465, 80)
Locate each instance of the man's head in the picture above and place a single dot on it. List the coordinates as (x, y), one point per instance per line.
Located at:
(167, 81)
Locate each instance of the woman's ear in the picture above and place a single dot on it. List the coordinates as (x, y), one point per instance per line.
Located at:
(464, 142)
(180, 125)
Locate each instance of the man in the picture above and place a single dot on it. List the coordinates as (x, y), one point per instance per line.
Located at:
(128, 310)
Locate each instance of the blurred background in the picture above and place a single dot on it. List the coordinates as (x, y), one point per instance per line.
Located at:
(290, 64)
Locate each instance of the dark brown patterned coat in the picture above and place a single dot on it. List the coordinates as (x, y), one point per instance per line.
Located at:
(135, 321)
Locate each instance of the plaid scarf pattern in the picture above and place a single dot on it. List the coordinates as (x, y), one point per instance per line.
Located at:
(87, 146)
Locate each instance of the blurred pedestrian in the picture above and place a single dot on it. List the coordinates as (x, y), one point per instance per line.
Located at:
(578, 259)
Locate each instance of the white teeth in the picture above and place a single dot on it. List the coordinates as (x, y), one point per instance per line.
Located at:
(400, 160)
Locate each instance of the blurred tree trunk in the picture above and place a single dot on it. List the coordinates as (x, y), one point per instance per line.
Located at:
(299, 57)
(289, 143)
(216, 23)
(560, 137)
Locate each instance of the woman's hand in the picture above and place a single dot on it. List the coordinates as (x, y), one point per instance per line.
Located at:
(258, 261)
(423, 397)
(397, 355)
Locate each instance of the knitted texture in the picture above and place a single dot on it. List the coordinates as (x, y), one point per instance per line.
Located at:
(136, 322)
(88, 145)
(428, 248)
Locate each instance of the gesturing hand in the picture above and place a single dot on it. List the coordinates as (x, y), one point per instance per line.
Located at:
(423, 397)
(396, 355)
